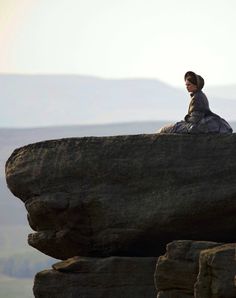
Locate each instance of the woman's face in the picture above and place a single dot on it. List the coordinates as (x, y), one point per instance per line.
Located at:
(190, 86)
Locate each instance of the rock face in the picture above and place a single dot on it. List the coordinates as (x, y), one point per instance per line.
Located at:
(126, 195)
(176, 271)
(117, 201)
(116, 277)
(217, 272)
(196, 269)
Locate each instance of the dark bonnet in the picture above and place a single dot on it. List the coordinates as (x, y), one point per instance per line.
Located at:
(195, 79)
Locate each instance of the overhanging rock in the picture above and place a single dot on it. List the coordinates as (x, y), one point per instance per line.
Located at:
(126, 195)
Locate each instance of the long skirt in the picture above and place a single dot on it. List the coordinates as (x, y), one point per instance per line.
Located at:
(208, 124)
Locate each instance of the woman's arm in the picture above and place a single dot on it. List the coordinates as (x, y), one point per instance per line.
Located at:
(198, 107)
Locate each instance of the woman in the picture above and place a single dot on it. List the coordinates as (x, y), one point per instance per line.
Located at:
(200, 119)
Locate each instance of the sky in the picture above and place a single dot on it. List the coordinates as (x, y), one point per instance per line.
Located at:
(157, 39)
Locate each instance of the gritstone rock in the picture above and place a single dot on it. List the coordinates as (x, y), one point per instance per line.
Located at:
(196, 269)
(177, 270)
(116, 277)
(126, 195)
(216, 273)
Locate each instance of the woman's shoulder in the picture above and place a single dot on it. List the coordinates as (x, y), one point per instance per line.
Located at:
(199, 93)
(199, 96)
(199, 102)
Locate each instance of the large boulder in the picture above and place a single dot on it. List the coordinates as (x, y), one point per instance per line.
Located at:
(114, 277)
(126, 195)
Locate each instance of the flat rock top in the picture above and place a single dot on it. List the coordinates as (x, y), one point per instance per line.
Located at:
(118, 158)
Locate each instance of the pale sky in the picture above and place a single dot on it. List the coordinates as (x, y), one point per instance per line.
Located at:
(159, 39)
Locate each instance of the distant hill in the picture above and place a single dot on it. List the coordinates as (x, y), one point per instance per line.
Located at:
(43, 100)
(49, 100)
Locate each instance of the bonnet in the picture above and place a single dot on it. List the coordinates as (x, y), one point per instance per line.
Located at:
(194, 79)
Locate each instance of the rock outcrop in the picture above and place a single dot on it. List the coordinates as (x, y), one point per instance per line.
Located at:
(117, 201)
(196, 269)
(116, 277)
(126, 195)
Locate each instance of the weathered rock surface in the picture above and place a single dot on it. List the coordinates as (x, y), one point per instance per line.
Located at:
(116, 277)
(126, 195)
(177, 270)
(217, 272)
(173, 294)
(196, 269)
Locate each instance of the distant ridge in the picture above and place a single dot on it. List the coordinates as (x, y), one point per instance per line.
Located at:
(49, 100)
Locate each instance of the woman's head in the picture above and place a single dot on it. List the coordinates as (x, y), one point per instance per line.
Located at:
(193, 81)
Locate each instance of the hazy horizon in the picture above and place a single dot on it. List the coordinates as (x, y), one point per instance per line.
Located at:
(58, 100)
(181, 86)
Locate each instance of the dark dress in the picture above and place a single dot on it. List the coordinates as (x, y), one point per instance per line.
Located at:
(200, 119)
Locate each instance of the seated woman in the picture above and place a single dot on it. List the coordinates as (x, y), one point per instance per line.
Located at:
(200, 119)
